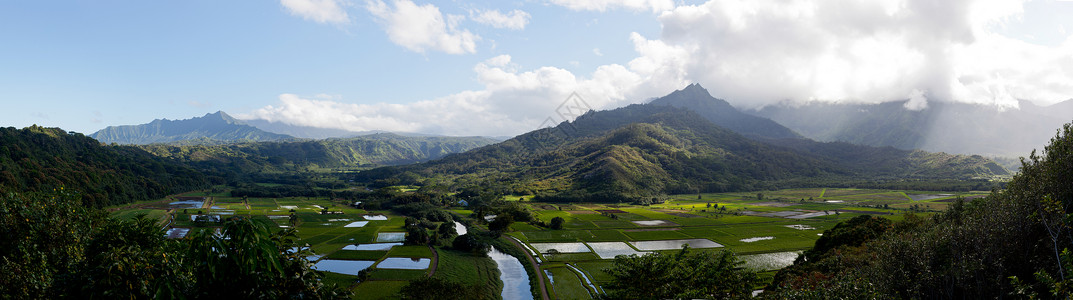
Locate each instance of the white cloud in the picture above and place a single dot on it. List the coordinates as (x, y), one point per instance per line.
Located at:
(596, 51)
(750, 53)
(758, 52)
(320, 11)
(420, 28)
(511, 102)
(604, 5)
(515, 20)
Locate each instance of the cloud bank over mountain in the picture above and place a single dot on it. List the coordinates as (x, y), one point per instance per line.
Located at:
(751, 53)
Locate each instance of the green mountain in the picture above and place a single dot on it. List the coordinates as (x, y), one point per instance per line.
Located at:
(718, 111)
(210, 129)
(357, 152)
(638, 151)
(40, 159)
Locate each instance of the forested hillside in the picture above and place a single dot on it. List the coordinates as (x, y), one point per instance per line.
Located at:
(357, 152)
(639, 151)
(41, 159)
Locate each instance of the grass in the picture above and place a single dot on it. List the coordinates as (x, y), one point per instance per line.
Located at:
(566, 284)
(469, 269)
(395, 274)
(724, 227)
(356, 255)
(410, 251)
(379, 289)
(656, 235)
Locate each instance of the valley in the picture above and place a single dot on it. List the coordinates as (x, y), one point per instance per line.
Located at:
(767, 229)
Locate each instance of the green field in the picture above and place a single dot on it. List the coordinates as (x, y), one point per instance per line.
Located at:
(775, 222)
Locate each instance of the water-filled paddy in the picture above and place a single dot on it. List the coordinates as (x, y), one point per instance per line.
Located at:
(757, 239)
(357, 224)
(511, 272)
(391, 237)
(800, 227)
(349, 267)
(560, 247)
(809, 215)
(375, 217)
(187, 204)
(608, 250)
(770, 261)
(922, 197)
(404, 263)
(652, 223)
(675, 244)
(372, 247)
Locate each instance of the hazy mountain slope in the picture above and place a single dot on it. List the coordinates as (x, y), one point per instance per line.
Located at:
(211, 128)
(363, 151)
(696, 98)
(641, 150)
(38, 159)
(948, 127)
(302, 131)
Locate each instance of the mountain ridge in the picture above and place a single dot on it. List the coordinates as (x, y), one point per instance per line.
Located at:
(210, 128)
(638, 151)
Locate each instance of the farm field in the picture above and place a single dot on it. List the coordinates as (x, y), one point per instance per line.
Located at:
(766, 229)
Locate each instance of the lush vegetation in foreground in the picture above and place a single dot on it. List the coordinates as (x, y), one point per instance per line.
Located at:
(36, 159)
(1014, 243)
(54, 248)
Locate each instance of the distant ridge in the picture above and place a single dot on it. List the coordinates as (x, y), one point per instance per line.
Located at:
(212, 128)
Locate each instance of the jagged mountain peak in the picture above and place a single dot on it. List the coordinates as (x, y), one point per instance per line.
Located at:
(694, 97)
(210, 128)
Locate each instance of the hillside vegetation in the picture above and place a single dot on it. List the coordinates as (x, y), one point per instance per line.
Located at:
(1015, 243)
(641, 151)
(36, 159)
(357, 152)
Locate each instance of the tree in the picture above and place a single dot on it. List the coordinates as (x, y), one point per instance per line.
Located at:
(501, 223)
(683, 275)
(447, 230)
(249, 261)
(557, 222)
(472, 242)
(432, 288)
(416, 235)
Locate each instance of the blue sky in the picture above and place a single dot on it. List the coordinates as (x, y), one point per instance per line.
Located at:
(503, 67)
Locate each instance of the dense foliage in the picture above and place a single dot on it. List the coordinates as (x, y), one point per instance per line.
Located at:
(1008, 244)
(349, 153)
(41, 159)
(52, 247)
(683, 275)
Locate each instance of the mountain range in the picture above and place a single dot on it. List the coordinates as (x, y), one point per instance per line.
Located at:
(347, 153)
(960, 128)
(641, 150)
(218, 127)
